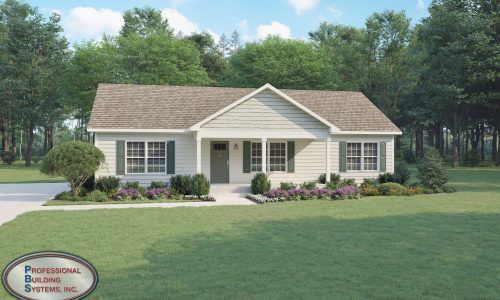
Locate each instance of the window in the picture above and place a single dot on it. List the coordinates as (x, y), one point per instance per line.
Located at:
(362, 156)
(370, 156)
(156, 157)
(277, 157)
(256, 157)
(143, 156)
(353, 157)
(135, 157)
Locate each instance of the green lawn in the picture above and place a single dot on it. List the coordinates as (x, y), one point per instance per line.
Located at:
(427, 246)
(18, 173)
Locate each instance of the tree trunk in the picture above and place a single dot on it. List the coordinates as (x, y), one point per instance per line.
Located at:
(418, 141)
(481, 140)
(13, 141)
(446, 145)
(45, 139)
(29, 144)
(456, 141)
(494, 142)
(5, 136)
(466, 140)
(50, 137)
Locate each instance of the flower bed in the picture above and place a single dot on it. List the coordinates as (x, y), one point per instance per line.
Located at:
(281, 195)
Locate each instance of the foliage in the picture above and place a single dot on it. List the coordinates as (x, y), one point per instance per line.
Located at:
(180, 184)
(260, 184)
(89, 184)
(143, 22)
(449, 189)
(472, 158)
(212, 59)
(335, 178)
(308, 185)
(391, 189)
(108, 184)
(157, 185)
(131, 185)
(66, 196)
(386, 177)
(199, 185)
(127, 193)
(8, 157)
(401, 173)
(158, 193)
(76, 161)
(284, 63)
(369, 187)
(346, 192)
(96, 196)
(287, 185)
(431, 171)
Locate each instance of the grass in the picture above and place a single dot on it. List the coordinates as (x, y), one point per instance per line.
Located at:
(62, 202)
(19, 173)
(427, 246)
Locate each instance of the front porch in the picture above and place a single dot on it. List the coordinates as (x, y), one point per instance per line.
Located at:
(236, 160)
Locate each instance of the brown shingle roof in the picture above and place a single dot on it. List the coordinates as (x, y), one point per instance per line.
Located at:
(129, 106)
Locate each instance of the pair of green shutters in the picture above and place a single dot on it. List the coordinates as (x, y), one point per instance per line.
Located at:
(343, 153)
(120, 157)
(290, 145)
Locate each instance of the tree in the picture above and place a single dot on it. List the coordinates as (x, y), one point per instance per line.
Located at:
(76, 161)
(234, 42)
(431, 171)
(223, 45)
(143, 22)
(212, 59)
(345, 46)
(284, 63)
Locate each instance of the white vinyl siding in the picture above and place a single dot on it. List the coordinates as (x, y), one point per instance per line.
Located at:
(266, 110)
(185, 154)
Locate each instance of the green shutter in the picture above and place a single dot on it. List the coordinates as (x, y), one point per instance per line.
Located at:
(171, 157)
(120, 157)
(342, 157)
(383, 157)
(291, 156)
(246, 157)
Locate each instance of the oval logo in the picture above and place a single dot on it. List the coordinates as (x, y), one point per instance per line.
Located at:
(49, 275)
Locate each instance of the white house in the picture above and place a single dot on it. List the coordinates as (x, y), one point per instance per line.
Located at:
(151, 132)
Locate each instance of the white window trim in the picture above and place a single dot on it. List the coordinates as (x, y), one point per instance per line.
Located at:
(268, 156)
(363, 156)
(145, 158)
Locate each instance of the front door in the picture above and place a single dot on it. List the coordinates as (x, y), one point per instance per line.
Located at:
(219, 162)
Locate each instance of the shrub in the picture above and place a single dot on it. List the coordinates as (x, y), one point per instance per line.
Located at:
(180, 184)
(157, 185)
(66, 196)
(414, 190)
(89, 184)
(472, 158)
(158, 193)
(287, 186)
(333, 178)
(346, 192)
(131, 185)
(199, 185)
(401, 173)
(308, 185)
(97, 196)
(391, 189)
(260, 184)
(449, 189)
(8, 157)
(431, 171)
(75, 161)
(369, 187)
(386, 177)
(297, 194)
(108, 184)
(127, 193)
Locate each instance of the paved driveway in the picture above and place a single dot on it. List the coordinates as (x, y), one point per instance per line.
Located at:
(19, 198)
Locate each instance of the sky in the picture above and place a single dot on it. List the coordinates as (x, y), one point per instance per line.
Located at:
(85, 20)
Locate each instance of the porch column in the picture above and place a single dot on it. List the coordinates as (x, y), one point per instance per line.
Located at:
(198, 155)
(264, 155)
(328, 158)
